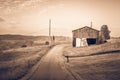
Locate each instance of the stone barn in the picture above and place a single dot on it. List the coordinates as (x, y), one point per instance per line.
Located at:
(85, 36)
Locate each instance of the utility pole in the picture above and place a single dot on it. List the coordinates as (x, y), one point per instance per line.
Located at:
(50, 32)
(91, 24)
(49, 27)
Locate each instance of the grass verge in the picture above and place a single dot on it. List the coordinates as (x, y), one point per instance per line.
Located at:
(15, 63)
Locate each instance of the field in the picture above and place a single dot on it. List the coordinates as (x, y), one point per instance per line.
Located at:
(15, 63)
(97, 62)
(16, 59)
(17, 41)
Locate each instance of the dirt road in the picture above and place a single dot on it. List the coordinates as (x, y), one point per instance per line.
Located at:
(51, 66)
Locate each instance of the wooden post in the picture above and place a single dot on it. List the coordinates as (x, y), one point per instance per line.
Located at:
(67, 58)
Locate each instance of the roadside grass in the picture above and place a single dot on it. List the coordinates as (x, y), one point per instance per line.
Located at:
(15, 63)
(97, 62)
(98, 67)
(92, 50)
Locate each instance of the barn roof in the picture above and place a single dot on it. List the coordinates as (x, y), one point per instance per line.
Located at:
(86, 27)
(85, 32)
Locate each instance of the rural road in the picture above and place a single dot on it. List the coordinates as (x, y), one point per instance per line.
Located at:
(52, 67)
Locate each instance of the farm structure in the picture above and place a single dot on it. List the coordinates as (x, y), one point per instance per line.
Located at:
(85, 36)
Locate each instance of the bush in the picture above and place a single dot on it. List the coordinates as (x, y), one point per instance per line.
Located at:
(46, 43)
(24, 46)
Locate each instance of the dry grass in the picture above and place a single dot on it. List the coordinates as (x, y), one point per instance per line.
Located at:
(99, 67)
(105, 66)
(14, 41)
(91, 50)
(15, 63)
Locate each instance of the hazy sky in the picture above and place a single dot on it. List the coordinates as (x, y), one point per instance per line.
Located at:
(30, 17)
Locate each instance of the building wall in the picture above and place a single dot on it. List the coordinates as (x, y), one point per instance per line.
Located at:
(81, 35)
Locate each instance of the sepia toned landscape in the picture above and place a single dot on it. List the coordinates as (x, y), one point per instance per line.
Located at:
(59, 40)
(95, 62)
(19, 54)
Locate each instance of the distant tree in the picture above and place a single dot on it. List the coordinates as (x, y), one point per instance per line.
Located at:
(104, 34)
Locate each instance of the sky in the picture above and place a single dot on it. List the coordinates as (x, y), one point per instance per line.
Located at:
(31, 17)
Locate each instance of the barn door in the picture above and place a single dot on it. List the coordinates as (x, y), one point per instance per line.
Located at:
(78, 42)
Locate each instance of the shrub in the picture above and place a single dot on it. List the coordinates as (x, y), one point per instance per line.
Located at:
(46, 43)
(24, 45)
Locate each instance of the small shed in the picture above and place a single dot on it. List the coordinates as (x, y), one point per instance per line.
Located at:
(85, 36)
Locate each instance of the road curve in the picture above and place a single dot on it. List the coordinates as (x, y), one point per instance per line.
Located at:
(51, 66)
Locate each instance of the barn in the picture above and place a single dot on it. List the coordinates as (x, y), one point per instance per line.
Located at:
(85, 36)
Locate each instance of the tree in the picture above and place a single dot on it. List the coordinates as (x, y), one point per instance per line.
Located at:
(104, 34)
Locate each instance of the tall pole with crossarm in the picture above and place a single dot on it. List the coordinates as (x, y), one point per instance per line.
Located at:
(49, 27)
(50, 32)
(91, 24)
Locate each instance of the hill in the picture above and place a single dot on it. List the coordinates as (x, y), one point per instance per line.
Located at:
(16, 41)
(98, 62)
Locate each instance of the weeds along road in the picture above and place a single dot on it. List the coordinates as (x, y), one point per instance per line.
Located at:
(52, 67)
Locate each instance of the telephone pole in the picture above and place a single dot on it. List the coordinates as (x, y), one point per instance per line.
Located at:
(49, 27)
(91, 24)
(50, 43)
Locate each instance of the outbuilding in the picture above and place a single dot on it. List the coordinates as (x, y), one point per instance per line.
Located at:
(85, 36)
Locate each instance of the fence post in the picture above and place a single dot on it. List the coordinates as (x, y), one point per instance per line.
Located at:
(67, 58)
